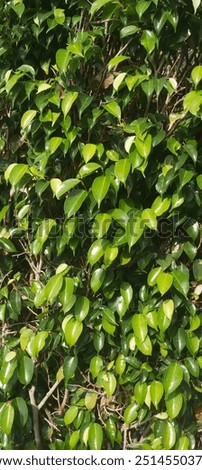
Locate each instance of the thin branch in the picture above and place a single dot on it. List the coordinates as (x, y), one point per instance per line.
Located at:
(48, 394)
(35, 415)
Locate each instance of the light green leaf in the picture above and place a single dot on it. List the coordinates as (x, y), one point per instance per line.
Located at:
(199, 181)
(145, 347)
(193, 102)
(27, 118)
(65, 186)
(90, 400)
(62, 59)
(122, 169)
(156, 392)
(130, 413)
(115, 61)
(152, 276)
(86, 170)
(149, 218)
(196, 4)
(164, 282)
(59, 15)
(88, 151)
(148, 40)
(118, 81)
(160, 206)
(196, 73)
(174, 405)
(144, 146)
(71, 414)
(96, 251)
(139, 324)
(53, 287)
(114, 109)
(25, 370)
(6, 418)
(107, 380)
(169, 435)
(68, 101)
(15, 172)
(74, 201)
(100, 188)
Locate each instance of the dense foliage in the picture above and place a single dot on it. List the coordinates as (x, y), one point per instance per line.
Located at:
(100, 211)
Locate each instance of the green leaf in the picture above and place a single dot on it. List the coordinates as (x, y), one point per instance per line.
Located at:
(130, 413)
(86, 170)
(97, 5)
(7, 245)
(164, 282)
(95, 436)
(97, 279)
(153, 275)
(199, 181)
(25, 370)
(90, 400)
(15, 172)
(59, 188)
(69, 367)
(144, 146)
(74, 201)
(68, 101)
(71, 414)
(96, 365)
(122, 169)
(62, 59)
(72, 332)
(145, 347)
(160, 206)
(114, 109)
(172, 378)
(6, 418)
(128, 31)
(88, 151)
(174, 404)
(100, 188)
(27, 118)
(108, 381)
(149, 218)
(156, 392)
(134, 231)
(96, 251)
(196, 73)
(139, 324)
(21, 410)
(193, 102)
(59, 15)
(53, 144)
(81, 307)
(181, 282)
(196, 4)
(169, 435)
(148, 40)
(115, 61)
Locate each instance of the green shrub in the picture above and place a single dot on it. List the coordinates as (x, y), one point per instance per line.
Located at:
(100, 215)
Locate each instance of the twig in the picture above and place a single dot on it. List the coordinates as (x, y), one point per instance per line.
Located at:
(35, 415)
(48, 394)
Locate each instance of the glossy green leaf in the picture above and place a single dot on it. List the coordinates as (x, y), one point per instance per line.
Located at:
(21, 410)
(90, 400)
(128, 31)
(172, 378)
(88, 151)
(130, 413)
(25, 370)
(153, 275)
(96, 251)
(107, 380)
(68, 101)
(100, 188)
(115, 61)
(149, 218)
(156, 392)
(62, 59)
(164, 282)
(74, 201)
(181, 282)
(72, 332)
(81, 307)
(169, 435)
(139, 324)
(95, 436)
(70, 415)
(114, 109)
(96, 365)
(53, 287)
(148, 41)
(121, 170)
(27, 118)
(69, 367)
(174, 404)
(6, 418)
(144, 146)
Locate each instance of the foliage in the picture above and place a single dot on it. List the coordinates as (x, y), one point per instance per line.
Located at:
(101, 179)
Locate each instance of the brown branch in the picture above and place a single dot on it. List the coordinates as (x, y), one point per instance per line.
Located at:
(48, 394)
